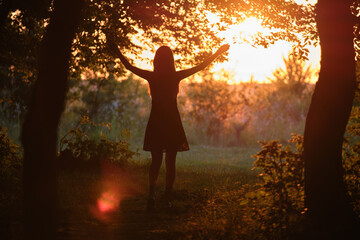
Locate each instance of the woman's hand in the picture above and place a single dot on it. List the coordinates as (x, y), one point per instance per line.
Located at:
(223, 49)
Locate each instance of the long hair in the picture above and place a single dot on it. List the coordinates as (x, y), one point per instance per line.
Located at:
(164, 60)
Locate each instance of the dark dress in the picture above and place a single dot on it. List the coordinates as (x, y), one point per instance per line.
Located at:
(164, 130)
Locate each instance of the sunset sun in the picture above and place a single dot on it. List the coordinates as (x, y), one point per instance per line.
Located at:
(248, 61)
(244, 32)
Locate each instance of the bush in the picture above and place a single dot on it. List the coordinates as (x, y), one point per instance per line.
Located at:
(280, 195)
(10, 169)
(274, 207)
(10, 156)
(76, 147)
(282, 173)
(351, 156)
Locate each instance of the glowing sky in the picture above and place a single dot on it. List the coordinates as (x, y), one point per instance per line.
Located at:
(259, 63)
(246, 61)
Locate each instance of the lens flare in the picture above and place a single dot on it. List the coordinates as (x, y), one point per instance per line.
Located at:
(108, 202)
(116, 184)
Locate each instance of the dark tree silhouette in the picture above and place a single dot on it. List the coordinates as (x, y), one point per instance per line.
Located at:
(329, 210)
(39, 133)
(181, 23)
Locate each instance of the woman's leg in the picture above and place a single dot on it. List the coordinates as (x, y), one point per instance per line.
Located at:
(170, 161)
(154, 171)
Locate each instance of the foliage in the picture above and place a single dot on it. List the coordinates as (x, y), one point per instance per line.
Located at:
(125, 103)
(163, 22)
(183, 25)
(214, 112)
(270, 209)
(282, 172)
(77, 146)
(10, 153)
(19, 43)
(283, 103)
(104, 97)
(274, 207)
(216, 105)
(180, 24)
(286, 20)
(282, 187)
(10, 166)
(294, 78)
(351, 156)
(219, 113)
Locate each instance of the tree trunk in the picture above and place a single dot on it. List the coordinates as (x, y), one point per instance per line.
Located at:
(39, 132)
(329, 212)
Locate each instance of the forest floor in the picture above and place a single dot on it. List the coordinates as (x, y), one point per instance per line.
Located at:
(111, 203)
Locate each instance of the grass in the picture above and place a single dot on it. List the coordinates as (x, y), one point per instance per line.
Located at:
(205, 175)
(202, 156)
(201, 174)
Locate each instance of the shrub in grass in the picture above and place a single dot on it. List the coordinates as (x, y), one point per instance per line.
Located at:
(281, 193)
(270, 209)
(10, 158)
(282, 173)
(77, 150)
(10, 178)
(351, 156)
(274, 207)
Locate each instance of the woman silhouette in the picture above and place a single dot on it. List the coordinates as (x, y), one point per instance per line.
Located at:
(164, 131)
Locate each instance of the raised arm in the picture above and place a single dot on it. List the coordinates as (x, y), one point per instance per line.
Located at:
(140, 72)
(188, 72)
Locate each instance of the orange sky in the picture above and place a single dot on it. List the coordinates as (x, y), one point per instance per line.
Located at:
(246, 61)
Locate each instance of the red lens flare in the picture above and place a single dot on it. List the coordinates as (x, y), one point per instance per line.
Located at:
(108, 202)
(116, 184)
